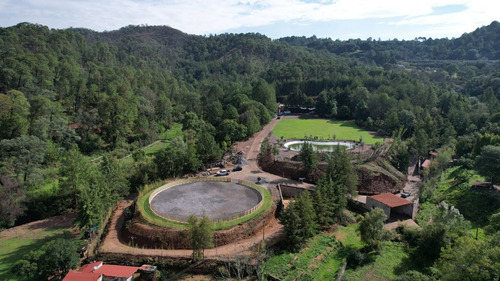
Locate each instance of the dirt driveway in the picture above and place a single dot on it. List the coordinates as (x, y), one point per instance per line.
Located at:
(250, 172)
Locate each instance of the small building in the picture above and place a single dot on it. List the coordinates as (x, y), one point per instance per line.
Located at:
(485, 185)
(391, 204)
(426, 164)
(98, 271)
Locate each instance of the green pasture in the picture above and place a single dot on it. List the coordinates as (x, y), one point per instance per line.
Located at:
(323, 129)
(475, 205)
(14, 249)
(151, 217)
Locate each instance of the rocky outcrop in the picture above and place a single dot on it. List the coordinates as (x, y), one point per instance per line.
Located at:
(379, 177)
(375, 177)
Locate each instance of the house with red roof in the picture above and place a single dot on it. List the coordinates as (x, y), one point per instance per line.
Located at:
(391, 204)
(426, 164)
(98, 271)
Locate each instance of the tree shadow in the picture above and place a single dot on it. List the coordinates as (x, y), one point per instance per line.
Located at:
(18, 253)
(412, 262)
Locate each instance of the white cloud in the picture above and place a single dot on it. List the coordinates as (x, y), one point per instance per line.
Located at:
(214, 16)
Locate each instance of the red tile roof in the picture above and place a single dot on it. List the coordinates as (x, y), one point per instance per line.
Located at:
(81, 276)
(91, 266)
(117, 270)
(433, 153)
(426, 164)
(92, 272)
(390, 200)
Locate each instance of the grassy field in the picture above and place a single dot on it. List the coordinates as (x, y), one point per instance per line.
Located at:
(146, 212)
(386, 266)
(323, 129)
(172, 133)
(14, 248)
(323, 256)
(476, 205)
(320, 259)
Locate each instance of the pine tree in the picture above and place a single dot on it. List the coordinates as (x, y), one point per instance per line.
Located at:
(339, 180)
(323, 205)
(299, 220)
(308, 156)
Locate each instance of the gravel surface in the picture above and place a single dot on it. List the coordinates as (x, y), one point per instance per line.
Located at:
(218, 200)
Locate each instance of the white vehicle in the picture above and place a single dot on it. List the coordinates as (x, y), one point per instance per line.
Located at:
(222, 173)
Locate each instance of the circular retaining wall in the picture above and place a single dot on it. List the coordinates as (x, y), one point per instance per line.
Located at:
(148, 235)
(154, 237)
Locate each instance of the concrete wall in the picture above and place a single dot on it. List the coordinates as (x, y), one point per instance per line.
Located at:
(371, 203)
(290, 191)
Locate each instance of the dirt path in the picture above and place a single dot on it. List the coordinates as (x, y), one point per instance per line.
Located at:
(111, 243)
(250, 172)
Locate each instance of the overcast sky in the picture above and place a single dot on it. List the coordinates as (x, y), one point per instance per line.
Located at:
(339, 19)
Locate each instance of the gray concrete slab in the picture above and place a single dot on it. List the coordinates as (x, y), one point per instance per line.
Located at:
(218, 200)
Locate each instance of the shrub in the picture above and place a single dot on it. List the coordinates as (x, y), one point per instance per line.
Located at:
(356, 258)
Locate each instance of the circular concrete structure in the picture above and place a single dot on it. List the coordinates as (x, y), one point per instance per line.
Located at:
(323, 146)
(220, 200)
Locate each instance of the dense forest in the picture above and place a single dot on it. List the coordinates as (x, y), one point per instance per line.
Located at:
(77, 107)
(110, 93)
(70, 96)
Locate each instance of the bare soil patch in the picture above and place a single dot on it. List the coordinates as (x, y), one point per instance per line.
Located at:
(57, 222)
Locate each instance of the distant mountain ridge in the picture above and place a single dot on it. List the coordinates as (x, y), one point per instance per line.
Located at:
(481, 44)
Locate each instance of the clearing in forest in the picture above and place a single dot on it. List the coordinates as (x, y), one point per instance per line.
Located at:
(323, 129)
(20, 240)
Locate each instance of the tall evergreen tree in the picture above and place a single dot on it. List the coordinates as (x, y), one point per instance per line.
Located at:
(308, 156)
(299, 220)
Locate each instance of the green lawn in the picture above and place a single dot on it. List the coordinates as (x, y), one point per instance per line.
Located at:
(14, 249)
(323, 129)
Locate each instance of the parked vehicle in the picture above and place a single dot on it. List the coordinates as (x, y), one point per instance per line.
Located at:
(237, 168)
(222, 173)
(405, 194)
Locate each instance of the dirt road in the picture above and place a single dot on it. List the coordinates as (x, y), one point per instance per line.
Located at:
(250, 172)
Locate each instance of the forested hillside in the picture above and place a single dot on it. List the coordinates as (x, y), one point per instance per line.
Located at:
(482, 44)
(69, 94)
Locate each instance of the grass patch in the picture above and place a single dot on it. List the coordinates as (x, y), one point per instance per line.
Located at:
(146, 212)
(386, 265)
(155, 148)
(475, 205)
(14, 249)
(172, 133)
(320, 259)
(323, 129)
(306, 263)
